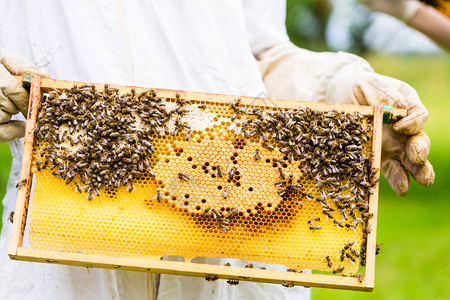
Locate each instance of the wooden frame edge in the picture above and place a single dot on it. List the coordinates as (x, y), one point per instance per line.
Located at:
(369, 273)
(23, 194)
(190, 269)
(246, 100)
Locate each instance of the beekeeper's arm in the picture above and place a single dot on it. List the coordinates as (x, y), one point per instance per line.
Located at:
(418, 15)
(13, 97)
(294, 73)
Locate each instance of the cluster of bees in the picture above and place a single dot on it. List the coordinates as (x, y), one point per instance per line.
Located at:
(330, 148)
(102, 139)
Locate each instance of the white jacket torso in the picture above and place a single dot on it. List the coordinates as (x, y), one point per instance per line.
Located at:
(194, 45)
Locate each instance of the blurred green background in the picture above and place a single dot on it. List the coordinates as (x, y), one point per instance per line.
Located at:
(414, 230)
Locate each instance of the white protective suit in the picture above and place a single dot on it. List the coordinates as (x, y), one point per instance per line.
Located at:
(193, 45)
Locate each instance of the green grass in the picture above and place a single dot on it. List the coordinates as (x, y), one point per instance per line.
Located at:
(415, 258)
(5, 166)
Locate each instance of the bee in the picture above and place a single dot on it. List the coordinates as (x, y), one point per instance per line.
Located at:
(224, 227)
(250, 266)
(38, 165)
(235, 104)
(78, 188)
(374, 183)
(366, 230)
(201, 106)
(329, 262)
(297, 187)
(349, 256)
(351, 226)
(338, 270)
(11, 217)
(359, 277)
(233, 282)
(342, 256)
(21, 183)
(378, 249)
(367, 215)
(90, 196)
(216, 214)
(225, 192)
(234, 212)
(268, 146)
(205, 211)
(281, 192)
(290, 157)
(69, 180)
(158, 196)
(285, 149)
(183, 176)
(282, 175)
(288, 284)
(353, 251)
(293, 270)
(211, 277)
(231, 173)
(315, 227)
(227, 264)
(257, 156)
(219, 172)
(130, 187)
(175, 131)
(313, 220)
(188, 135)
(338, 224)
(279, 184)
(291, 178)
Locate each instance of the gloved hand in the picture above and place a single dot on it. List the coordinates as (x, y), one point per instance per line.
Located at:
(13, 97)
(401, 9)
(293, 73)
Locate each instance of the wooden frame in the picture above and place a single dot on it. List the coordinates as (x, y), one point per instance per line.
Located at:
(17, 252)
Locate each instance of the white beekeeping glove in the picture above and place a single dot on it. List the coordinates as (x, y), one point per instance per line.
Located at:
(293, 73)
(13, 97)
(401, 9)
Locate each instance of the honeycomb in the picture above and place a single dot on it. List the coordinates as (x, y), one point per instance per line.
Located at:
(193, 207)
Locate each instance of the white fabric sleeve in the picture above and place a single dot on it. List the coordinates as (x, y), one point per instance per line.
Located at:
(265, 23)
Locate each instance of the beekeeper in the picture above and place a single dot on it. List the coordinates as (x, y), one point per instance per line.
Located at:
(234, 47)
